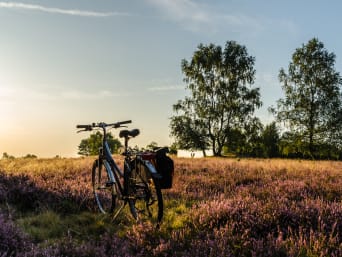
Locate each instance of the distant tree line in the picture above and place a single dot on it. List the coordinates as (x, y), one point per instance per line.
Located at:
(218, 112)
(91, 145)
(7, 156)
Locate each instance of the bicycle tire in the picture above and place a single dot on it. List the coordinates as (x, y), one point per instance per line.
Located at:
(105, 192)
(145, 196)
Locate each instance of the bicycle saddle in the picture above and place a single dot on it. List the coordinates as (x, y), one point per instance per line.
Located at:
(129, 133)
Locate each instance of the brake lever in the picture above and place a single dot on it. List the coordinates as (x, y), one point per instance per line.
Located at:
(82, 130)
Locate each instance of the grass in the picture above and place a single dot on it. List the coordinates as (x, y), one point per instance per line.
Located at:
(45, 225)
(176, 214)
(217, 207)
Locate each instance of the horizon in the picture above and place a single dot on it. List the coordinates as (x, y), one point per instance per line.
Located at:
(76, 62)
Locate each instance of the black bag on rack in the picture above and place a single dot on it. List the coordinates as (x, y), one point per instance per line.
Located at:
(165, 168)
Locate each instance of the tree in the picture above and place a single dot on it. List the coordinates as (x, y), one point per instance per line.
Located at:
(220, 99)
(30, 156)
(151, 146)
(253, 143)
(173, 148)
(5, 155)
(255, 140)
(312, 97)
(270, 138)
(189, 133)
(247, 141)
(291, 145)
(91, 145)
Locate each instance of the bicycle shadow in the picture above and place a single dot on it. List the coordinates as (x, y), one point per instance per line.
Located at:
(32, 194)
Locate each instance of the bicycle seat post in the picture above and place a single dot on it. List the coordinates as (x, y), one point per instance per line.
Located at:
(126, 144)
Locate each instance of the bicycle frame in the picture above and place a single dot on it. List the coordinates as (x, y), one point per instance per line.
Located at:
(114, 176)
(113, 171)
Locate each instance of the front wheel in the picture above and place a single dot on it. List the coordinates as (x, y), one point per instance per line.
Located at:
(145, 196)
(104, 190)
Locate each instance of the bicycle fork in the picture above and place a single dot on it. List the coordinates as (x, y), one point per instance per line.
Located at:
(112, 182)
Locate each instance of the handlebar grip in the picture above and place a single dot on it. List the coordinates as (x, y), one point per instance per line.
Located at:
(84, 126)
(125, 122)
(118, 124)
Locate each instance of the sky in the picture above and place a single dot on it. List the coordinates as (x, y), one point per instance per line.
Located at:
(70, 62)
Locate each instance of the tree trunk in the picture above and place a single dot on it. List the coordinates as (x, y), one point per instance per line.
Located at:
(217, 151)
(311, 145)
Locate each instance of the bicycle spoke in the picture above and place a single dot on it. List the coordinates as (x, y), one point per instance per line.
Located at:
(148, 202)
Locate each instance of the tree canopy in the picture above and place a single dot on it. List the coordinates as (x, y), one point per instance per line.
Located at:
(91, 145)
(311, 108)
(221, 98)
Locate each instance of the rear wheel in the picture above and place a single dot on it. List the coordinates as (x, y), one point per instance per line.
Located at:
(145, 196)
(104, 190)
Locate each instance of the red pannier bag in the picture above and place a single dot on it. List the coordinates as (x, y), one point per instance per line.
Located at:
(164, 166)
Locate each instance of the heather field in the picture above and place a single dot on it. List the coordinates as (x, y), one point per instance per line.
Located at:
(217, 207)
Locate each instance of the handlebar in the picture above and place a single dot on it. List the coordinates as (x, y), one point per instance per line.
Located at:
(102, 125)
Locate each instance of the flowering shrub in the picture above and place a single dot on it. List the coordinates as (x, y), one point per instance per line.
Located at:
(217, 207)
(32, 184)
(12, 240)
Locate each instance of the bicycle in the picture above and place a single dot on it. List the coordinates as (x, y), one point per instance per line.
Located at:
(138, 183)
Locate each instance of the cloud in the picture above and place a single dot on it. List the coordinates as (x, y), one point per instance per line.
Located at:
(79, 95)
(182, 10)
(164, 85)
(15, 95)
(267, 80)
(166, 88)
(74, 12)
(197, 17)
(186, 12)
